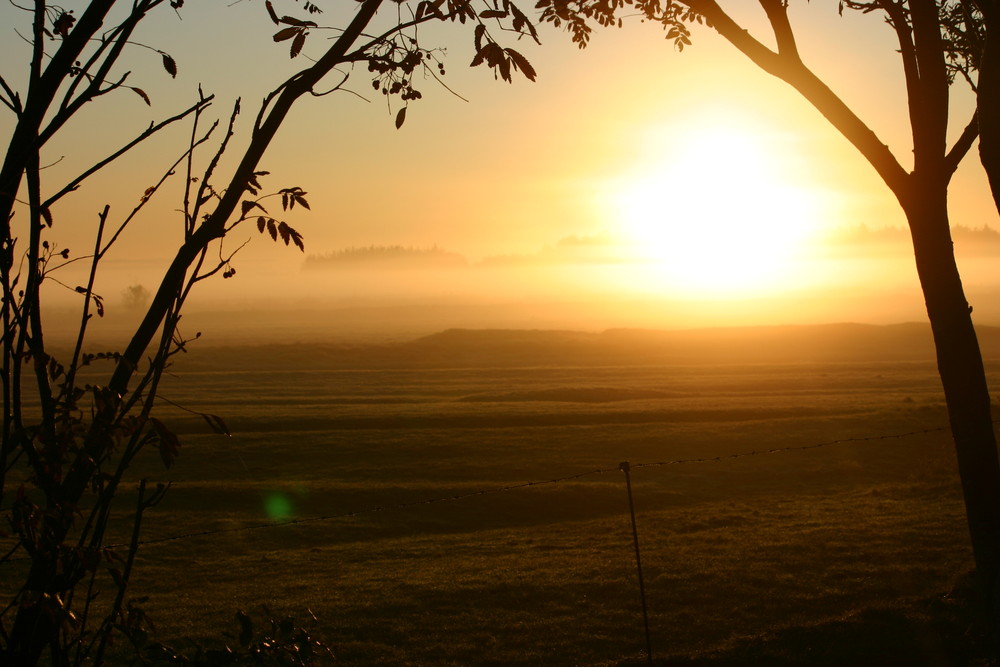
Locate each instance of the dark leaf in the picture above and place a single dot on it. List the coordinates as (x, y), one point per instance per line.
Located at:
(283, 232)
(480, 56)
(291, 20)
(142, 93)
(505, 70)
(169, 444)
(270, 11)
(169, 65)
(521, 63)
(400, 117)
(116, 574)
(112, 556)
(297, 43)
(272, 230)
(285, 33)
(302, 201)
(46, 215)
(495, 56)
(260, 224)
(297, 239)
(216, 424)
(492, 14)
(248, 206)
(480, 32)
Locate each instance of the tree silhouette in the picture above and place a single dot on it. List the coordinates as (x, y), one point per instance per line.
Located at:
(67, 445)
(933, 38)
(135, 297)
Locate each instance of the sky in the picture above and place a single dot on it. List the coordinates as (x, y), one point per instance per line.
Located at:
(635, 184)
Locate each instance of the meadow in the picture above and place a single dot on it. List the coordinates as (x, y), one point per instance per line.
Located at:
(457, 500)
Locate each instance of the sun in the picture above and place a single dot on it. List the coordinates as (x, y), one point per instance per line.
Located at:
(717, 214)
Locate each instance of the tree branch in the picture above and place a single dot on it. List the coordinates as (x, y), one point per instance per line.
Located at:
(898, 21)
(93, 89)
(15, 100)
(41, 91)
(777, 15)
(70, 381)
(802, 79)
(150, 131)
(962, 145)
(931, 97)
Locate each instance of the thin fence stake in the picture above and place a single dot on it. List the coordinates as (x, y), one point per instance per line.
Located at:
(624, 467)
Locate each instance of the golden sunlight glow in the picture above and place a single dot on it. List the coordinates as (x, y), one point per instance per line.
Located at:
(720, 216)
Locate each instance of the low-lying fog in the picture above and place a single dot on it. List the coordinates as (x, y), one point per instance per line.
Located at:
(393, 293)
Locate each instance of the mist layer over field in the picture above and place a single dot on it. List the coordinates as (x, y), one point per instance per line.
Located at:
(578, 283)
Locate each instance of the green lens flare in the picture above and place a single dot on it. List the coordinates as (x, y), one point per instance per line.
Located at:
(278, 506)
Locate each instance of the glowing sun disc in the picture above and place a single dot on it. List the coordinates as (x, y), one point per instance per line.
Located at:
(716, 217)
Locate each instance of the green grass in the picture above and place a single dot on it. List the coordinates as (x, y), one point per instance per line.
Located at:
(765, 557)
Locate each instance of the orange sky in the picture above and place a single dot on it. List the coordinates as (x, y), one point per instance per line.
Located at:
(600, 138)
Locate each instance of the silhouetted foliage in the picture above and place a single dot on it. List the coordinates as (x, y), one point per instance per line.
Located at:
(135, 297)
(274, 643)
(397, 255)
(68, 444)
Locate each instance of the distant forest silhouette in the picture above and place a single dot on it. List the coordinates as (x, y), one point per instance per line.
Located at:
(601, 249)
(968, 240)
(386, 253)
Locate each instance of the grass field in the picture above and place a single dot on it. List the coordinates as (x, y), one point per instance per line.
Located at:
(394, 502)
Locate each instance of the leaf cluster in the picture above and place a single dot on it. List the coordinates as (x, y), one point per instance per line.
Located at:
(297, 29)
(290, 197)
(576, 16)
(278, 228)
(396, 57)
(502, 60)
(963, 33)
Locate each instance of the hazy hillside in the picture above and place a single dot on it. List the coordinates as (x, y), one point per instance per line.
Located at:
(512, 347)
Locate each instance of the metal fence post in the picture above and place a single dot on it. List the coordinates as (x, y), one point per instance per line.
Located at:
(624, 467)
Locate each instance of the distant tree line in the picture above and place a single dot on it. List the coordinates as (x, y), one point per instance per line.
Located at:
(385, 253)
(968, 240)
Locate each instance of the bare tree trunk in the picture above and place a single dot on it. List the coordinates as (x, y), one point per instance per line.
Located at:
(963, 377)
